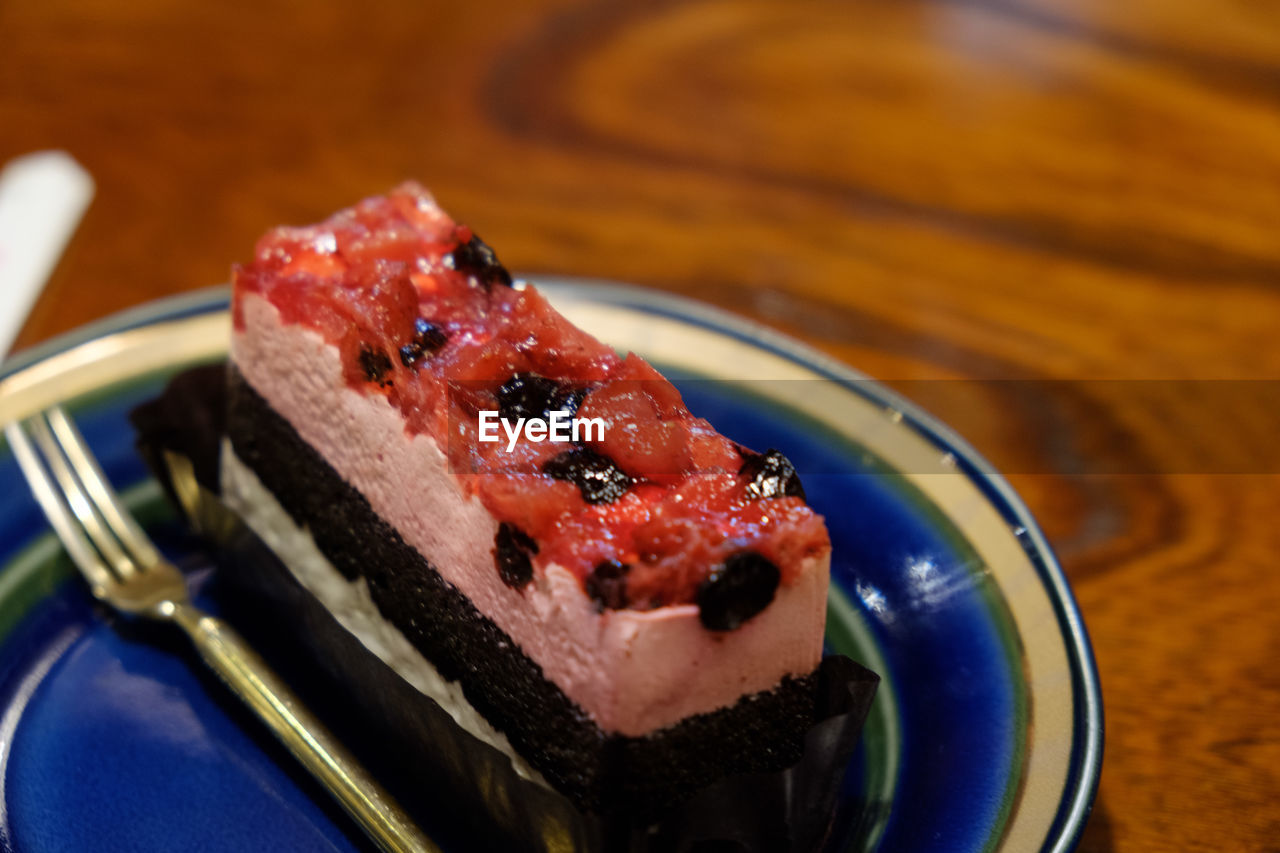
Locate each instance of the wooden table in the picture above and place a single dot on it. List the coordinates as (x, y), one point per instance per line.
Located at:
(1039, 190)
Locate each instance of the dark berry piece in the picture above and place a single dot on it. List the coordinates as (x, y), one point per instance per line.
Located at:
(375, 364)
(737, 590)
(475, 258)
(528, 395)
(607, 585)
(513, 550)
(597, 478)
(770, 475)
(428, 338)
(570, 400)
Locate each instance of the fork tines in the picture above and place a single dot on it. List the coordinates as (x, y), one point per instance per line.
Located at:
(81, 505)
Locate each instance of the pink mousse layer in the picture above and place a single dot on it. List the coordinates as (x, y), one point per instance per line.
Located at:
(632, 671)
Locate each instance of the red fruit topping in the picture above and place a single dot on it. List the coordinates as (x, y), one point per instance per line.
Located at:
(646, 515)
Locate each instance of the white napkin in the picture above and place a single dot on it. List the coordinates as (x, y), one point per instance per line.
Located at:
(42, 197)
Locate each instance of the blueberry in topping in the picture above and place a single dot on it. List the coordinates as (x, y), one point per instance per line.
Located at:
(475, 258)
(737, 590)
(607, 585)
(571, 399)
(427, 340)
(375, 364)
(770, 475)
(528, 395)
(596, 476)
(513, 550)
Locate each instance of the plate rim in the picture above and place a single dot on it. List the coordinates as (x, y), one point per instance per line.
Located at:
(1088, 736)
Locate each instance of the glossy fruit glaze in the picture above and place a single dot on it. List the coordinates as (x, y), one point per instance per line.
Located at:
(658, 511)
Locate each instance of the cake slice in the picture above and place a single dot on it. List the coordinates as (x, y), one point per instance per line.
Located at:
(628, 615)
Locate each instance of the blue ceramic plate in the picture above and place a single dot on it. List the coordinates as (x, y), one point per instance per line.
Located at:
(986, 733)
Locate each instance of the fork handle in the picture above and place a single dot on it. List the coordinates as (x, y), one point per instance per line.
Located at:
(226, 652)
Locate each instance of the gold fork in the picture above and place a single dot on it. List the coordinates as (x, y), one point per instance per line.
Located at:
(125, 570)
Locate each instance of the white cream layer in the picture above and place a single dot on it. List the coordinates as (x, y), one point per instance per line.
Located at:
(350, 602)
(633, 672)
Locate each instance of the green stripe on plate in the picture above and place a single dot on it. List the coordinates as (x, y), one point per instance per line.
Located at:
(36, 572)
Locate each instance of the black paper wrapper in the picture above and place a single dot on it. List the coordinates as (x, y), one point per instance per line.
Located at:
(465, 793)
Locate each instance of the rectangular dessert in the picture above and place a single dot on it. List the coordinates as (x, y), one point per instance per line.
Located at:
(629, 617)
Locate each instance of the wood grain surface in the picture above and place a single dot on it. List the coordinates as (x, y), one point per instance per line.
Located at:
(1045, 191)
